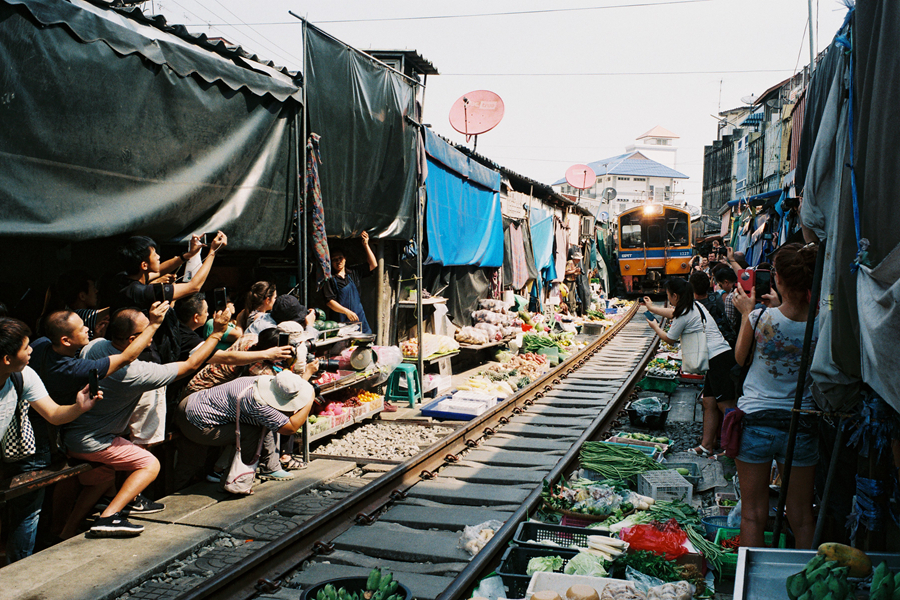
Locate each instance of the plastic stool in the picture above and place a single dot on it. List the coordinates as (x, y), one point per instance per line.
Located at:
(394, 392)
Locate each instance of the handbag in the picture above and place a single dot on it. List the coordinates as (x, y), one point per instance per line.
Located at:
(18, 441)
(739, 372)
(695, 349)
(239, 478)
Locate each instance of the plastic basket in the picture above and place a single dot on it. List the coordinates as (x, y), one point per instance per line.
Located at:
(694, 468)
(712, 525)
(665, 485)
(529, 535)
(724, 510)
(726, 533)
(514, 564)
(648, 422)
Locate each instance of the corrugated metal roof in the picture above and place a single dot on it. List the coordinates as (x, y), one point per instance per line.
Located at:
(754, 118)
(631, 164)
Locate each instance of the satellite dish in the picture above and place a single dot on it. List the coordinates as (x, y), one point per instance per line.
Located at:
(476, 113)
(750, 100)
(580, 177)
(609, 194)
(775, 103)
(604, 216)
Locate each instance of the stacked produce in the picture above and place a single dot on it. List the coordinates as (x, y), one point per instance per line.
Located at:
(518, 369)
(433, 345)
(378, 587)
(605, 499)
(663, 368)
(343, 407)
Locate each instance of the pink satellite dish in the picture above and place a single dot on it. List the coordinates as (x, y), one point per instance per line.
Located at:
(476, 113)
(580, 177)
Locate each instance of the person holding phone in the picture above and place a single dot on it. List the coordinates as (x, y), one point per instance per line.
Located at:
(768, 397)
(132, 288)
(689, 316)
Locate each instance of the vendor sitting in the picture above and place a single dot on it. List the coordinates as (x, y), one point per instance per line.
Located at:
(342, 289)
(573, 274)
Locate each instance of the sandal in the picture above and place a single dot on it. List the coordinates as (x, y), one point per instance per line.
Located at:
(293, 464)
(281, 475)
(701, 452)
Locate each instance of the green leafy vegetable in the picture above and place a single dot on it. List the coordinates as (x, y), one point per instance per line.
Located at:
(544, 563)
(615, 462)
(647, 563)
(586, 564)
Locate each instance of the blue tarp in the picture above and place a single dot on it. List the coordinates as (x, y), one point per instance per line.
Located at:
(464, 225)
(542, 242)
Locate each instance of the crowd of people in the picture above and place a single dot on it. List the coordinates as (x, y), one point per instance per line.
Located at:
(118, 363)
(754, 337)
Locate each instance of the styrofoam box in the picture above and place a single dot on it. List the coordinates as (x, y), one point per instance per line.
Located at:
(490, 401)
(560, 583)
(465, 407)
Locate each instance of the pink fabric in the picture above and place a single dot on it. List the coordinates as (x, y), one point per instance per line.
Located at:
(122, 455)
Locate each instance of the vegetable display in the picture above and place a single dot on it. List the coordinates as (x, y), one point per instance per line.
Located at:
(585, 563)
(647, 563)
(616, 462)
(378, 587)
(822, 578)
(643, 437)
(592, 498)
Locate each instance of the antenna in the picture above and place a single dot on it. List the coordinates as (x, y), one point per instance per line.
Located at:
(580, 177)
(476, 113)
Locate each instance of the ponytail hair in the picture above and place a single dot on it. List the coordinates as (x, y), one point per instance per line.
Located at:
(259, 293)
(795, 265)
(685, 293)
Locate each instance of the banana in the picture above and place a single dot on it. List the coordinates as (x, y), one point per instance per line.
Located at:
(814, 563)
(374, 579)
(796, 585)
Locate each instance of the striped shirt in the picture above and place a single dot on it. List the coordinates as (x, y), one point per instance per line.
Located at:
(217, 406)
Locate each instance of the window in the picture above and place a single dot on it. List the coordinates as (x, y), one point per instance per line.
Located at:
(640, 179)
(624, 178)
(631, 231)
(677, 228)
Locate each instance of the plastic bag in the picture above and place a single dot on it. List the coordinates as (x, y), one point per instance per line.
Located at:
(648, 407)
(734, 517)
(493, 305)
(474, 537)
(667, 539)
(487, 316)
(675, 590)
(641, 581)
(389, 358)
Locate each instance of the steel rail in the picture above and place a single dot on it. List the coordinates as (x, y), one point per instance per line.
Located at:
(262, 570)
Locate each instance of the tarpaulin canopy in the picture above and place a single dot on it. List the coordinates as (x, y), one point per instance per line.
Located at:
(112, 126)
(464, 224)
(361, 109)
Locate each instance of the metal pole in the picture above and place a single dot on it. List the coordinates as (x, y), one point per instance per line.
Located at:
(812, 42)
(420, 358)
(381, 308)
(301, 221)
(801, 384)
(829, 481)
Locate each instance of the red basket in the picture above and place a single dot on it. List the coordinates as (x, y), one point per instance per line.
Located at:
(569, 521)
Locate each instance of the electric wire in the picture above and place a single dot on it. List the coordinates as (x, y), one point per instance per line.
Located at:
(479, 15)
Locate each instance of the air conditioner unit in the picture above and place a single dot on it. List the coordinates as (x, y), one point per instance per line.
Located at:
(587, 226)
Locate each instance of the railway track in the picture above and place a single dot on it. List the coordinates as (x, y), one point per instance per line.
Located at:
(408, 520)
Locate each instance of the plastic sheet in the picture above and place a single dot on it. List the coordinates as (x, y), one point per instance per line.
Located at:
(667, 539)
(648, 407)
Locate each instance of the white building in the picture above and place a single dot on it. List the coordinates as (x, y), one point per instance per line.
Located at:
(635, 177)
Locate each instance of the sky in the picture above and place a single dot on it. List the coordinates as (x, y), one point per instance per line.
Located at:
(580, 79)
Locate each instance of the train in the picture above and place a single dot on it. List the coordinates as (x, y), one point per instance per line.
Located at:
(654, 244)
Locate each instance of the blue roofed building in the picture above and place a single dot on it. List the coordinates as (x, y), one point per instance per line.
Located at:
(634, 176)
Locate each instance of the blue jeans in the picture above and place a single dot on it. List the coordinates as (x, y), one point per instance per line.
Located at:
(25, 511)
(764, 444)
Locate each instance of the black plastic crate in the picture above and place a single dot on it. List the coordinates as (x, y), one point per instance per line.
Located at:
(559, 534)
(514, 564)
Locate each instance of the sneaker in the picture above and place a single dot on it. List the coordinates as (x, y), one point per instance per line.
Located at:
(142, 506)
(115, 526)
(214, 477)
(279, 475)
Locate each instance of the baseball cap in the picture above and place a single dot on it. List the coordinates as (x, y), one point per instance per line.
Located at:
(288, 308)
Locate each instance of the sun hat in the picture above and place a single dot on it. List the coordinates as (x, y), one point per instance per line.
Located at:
(286, 391)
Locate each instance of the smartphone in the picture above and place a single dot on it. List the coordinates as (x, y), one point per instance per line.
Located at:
(93, 383)
(220, 299)
(284, 339)
(763, 283)
(747, 278)
(159, 292)
(650, 316)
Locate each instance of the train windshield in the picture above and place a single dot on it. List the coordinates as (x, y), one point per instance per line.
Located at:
(631, 231)
(677, 228)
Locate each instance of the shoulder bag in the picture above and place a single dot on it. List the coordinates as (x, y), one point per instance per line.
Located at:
(239, 478)
(695, 348)
(18, 441)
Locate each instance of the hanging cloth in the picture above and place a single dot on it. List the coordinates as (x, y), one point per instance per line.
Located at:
(517, 258)
(314, 198)
(562, 247)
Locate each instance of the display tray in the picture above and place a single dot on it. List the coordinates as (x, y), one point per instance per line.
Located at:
(430, 359)
(430, 410)
(580, 515)
(505, 340)
(762, 572)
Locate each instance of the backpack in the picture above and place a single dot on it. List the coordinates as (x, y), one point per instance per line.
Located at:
(718, 314)
(18, 440)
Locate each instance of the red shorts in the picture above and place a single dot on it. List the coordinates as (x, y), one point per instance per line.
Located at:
(122, 455)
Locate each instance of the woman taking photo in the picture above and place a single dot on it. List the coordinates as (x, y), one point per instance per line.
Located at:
(768, 397)
(718, 388)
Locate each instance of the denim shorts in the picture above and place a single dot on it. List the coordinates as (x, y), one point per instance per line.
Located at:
(763, 444)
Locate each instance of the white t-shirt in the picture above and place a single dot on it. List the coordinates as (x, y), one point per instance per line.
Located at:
(691, 322)
(32, 388)
(771, 381)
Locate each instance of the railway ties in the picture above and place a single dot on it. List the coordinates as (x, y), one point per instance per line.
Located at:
(417, 537)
